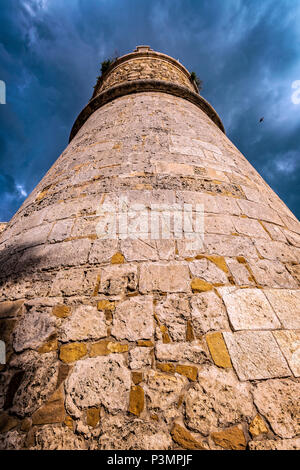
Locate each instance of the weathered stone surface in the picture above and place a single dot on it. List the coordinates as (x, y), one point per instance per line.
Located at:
(102, 251)
(173, 312)
(32, 330)
(274, 250)
(193, 352)
(136, 400)
(124, 433)
(258, 426)
(218, 349)
(72, 352)
(286, 305)
(38, 381)
(248, 309)
(250, 227)
(271, 273)
(99, 376)
(185, 439)
(61, 311)
(7, 423)
(85, 323)
(256, 355)
(57, 438)
(92, 417)
(11, 309)
(232, 438)
(229, 246)
(282, 444)
(163, 391)
(164, 277)
(240, 273)
(207, 270)
(118, 279)
(219, 399)
(208, 313)
(139, 357)
(289, 343)
(12, 440)
(133, 319)
(190, 372)
(198, 285)
(259, 211)
(277, 401)
(53, 411)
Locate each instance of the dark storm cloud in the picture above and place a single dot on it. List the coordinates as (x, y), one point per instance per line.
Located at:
(245, 51)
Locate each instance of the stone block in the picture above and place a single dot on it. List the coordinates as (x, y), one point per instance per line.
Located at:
(133, 319)
(276, 401)
(218, 349)
(164, 277)
(207, 270)
(271, 273)
(259, 211)
(185, 439)
(286, 305)
(271, 444)
(289, 343)
(192, 352)
(106, 378)
(249, 227)
(255, 355)
(136, 400)
(102, 251)
(223, 245)
(52, 412)
(72, 352)
(248, 309)
(118, 279)
(208, 313)
(173, 312)
(217, 400)
(139, 357)
(11, 308)
(231, 438)
(279, 251)
(85, 323)
(33, 329)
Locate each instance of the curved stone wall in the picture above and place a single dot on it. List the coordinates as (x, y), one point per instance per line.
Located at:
(126, 343)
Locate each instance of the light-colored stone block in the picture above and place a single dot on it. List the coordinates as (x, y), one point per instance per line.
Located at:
(289, 343)
(133, 319)
(248, 309)
(173, 312)
(164, 277)
(286, 305)
(119, 279)
(240, 273)
(271, 273)
(250, 227)
(208, 313)
(274, 250)
(207, 270)
(255, 355)
(223, 245)
(139, 358)
(192, 352)
(85, 323)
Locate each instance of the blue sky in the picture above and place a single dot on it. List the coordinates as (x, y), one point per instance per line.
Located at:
(247, 52)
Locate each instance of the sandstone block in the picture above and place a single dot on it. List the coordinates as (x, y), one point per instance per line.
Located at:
(223, 245)
(136, 400)
(11, 309)
(139, 358)
(259, 211)
(232, 439)
(208, 271)
(173, 312)
(258, 426)
(256, 355)
(276, 401)
(32, 330)
(280, 444)
(92, 417)
(271, 273)
(53, 411)
(133, 319)
(57, 438)
(190, 372)
(277, 251)
(72, 352)
(106, 378)
(192, 352)
(185, 439)
(118, 279)
(218, 349)
(85, 323)
(240, 273)
(248, 309)
(164, 278)
(218, 399)
(208, 313)
(289, 343)
(102, 251)
(286, 305)
(250, 227)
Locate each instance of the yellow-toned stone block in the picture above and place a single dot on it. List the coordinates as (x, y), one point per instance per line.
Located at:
(136, 400)
(92, 417)
(198, 285)
(106, 305)
(189, 332)
(72, 352)
(61, 311)
(137, 377)
(166, 367)
(117, 347)
(51, 345)
(190, 372)
(218, 349)
(258, 426)
(53, 411)
(145, 343)
(117, 258)
(68, 422)
(185, 439)
(232, 439)
(99, 349)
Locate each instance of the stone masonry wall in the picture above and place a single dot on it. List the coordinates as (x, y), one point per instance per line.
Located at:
(143, 68)
(147, 344)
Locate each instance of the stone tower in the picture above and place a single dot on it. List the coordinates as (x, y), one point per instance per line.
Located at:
(117, 339)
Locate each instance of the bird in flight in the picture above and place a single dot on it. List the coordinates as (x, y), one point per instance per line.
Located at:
(261, 119)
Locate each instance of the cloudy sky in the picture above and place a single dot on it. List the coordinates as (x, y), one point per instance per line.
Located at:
(247, 52)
